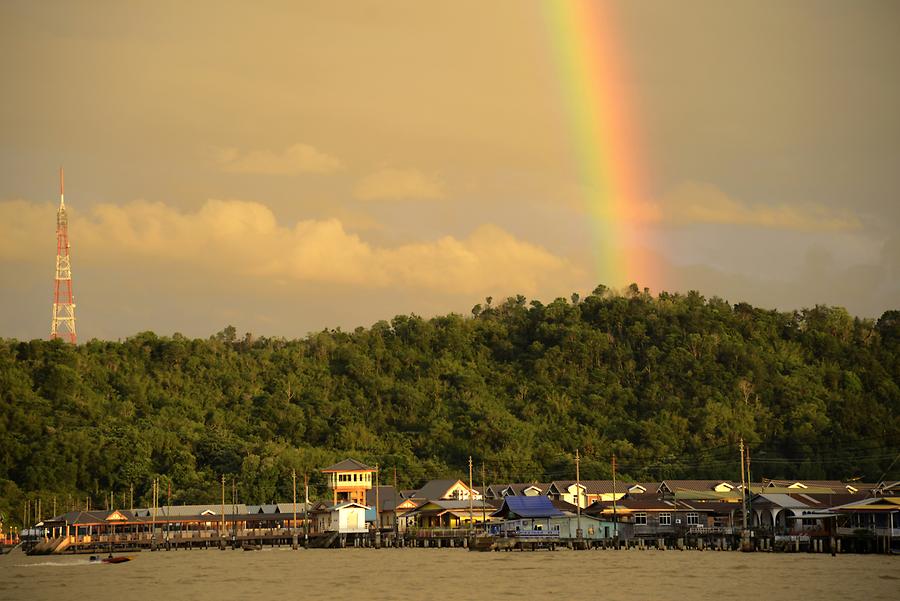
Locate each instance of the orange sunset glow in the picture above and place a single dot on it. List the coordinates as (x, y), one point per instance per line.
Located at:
(291, 166)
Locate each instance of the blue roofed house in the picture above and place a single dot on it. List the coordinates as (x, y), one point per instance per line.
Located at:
(526, 514)
(539, 516)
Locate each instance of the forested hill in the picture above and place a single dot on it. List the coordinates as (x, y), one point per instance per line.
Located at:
(668, 384)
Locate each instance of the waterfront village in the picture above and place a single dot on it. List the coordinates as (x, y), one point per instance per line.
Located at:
(791, 516)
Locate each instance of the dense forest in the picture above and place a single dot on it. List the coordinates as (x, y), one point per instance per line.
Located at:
(668, 384)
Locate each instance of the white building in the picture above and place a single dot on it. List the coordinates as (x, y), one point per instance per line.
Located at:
(347, 518)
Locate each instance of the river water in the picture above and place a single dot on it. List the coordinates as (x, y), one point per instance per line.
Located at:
(407, 574)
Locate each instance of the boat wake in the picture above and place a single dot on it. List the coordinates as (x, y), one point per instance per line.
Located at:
(79, 562)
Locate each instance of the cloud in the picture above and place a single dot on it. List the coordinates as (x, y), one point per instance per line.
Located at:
(299, 158)
(694, 202)
(865, 289)
(238, 239)
(398, 184)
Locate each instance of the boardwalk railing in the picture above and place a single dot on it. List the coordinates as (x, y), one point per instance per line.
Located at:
(443, 532)
(542, 534)
(704, 530)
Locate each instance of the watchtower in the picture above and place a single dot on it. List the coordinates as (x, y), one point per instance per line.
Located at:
(349, 480)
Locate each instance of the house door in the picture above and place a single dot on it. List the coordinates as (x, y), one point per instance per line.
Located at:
(353, 519)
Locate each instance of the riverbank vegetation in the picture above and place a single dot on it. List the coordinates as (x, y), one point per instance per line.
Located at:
(668, 384)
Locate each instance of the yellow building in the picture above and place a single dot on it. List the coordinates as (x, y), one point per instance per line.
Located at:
(349, 480)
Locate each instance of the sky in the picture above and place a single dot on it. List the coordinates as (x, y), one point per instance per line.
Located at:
(286, 167)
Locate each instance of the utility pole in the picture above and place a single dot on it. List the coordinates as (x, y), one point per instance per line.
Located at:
(294, 523)
(745, 535)
(396, 503)
(743, 488)
(306, 510)
(471, 492)
(233, 512)
(168, 496)
(615, 517)
(153, 489)
(749, 491)
(483, 494)
(377, 509)
(222, 533)
(131, 495)
(578, 532)
(377, 500)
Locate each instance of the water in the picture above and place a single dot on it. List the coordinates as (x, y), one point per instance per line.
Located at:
(451, 573)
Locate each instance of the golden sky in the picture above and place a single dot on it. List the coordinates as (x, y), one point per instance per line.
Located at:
(289, 166)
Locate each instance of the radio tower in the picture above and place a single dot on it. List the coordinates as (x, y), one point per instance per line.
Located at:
(63, 324)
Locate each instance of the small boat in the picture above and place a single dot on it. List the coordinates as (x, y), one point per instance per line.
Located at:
(483, 542)
(111, 559)
(249, 547)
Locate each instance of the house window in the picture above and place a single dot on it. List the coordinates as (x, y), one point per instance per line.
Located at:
(640, 519)
(809, 521)
(665, 519)
(693, 519)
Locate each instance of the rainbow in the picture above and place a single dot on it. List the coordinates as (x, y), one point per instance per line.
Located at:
(601, 127)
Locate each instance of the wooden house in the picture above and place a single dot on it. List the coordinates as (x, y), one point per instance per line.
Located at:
(443, 513)
(798, 511)
(593, 491)
(592, 527)
(349, 480)
(495, 491)
(540, 514)
(879, 516)
(724, 488)
(568, 491)
(660, 518)
(447, 490)
(392, 508)
(526, 514)
(521, 489)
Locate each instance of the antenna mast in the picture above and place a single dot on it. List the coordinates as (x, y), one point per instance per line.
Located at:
(63, 323)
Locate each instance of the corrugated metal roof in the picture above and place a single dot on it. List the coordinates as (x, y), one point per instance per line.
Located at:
(783, 500)
(437, 489)
(348, 465)
(528, 507)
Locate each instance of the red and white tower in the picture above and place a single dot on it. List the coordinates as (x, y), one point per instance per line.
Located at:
(63, 324)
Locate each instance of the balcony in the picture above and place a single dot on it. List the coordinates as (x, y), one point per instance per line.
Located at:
(868, 531)
(345, 482)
